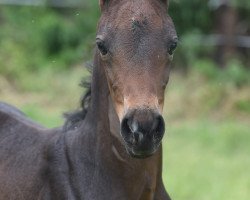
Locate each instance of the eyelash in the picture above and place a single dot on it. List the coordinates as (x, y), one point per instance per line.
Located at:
(172, 47)
(101, 46)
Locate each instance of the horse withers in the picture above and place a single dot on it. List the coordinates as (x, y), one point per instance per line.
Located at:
(111, 148)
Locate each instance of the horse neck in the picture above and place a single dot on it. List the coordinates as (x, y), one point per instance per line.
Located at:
(97, 116)
(99, 93)
(102, 117)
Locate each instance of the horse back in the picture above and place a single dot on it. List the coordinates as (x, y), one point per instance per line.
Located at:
(22, 154)
(16, 130)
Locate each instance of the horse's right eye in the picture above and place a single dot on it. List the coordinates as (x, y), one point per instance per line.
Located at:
(172, 48)
(101, 46)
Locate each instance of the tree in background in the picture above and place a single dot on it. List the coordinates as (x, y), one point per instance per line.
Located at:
(225, 25)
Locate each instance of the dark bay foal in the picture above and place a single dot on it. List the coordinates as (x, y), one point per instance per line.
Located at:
(111, 149)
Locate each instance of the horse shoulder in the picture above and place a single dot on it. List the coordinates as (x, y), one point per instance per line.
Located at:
(18, 134)
(23, 155)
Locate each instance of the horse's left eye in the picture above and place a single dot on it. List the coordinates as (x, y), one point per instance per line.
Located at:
(101, 46)
(172, 47)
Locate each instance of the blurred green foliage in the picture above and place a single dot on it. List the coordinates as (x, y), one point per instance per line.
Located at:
(43, 38)
(235, 73)
(191, 16)
(36, 38)
(196, 19)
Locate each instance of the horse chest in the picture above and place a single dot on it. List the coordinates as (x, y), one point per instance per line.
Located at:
(128, 184)
(115, 188)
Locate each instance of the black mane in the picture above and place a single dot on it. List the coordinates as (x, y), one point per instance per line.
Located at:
(73, 119)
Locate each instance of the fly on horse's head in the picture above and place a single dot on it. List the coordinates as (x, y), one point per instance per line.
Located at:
(136, 41)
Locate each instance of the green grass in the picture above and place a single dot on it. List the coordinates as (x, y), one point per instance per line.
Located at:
(205, 159)
(207, 142)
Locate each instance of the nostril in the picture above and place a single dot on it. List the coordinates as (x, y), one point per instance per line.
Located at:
(142, 129)
(158, 125)
(125, 127)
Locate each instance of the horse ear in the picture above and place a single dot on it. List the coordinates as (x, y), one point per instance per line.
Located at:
(103, 3)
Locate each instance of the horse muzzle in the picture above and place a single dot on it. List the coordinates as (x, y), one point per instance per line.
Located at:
(142, 131)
